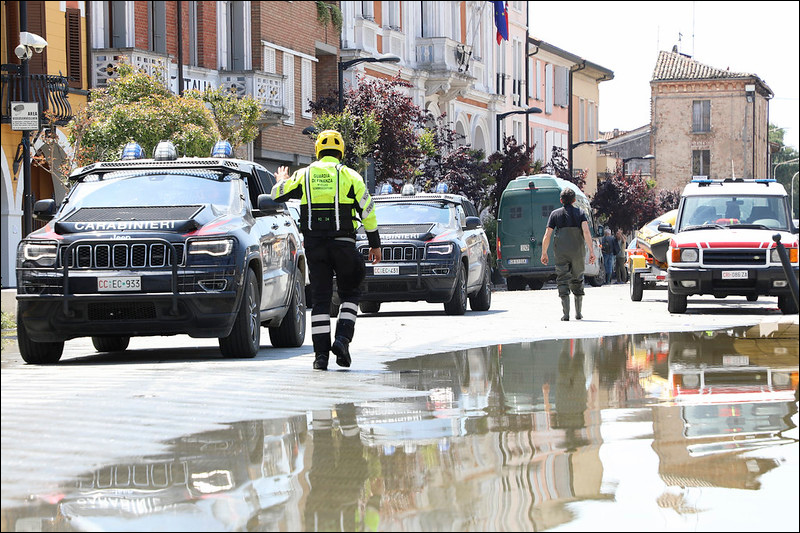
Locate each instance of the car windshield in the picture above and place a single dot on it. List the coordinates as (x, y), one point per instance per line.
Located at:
(767, 212)
(146, 189)
(415, 213)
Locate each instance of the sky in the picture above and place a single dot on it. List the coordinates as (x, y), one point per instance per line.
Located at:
(758, 38)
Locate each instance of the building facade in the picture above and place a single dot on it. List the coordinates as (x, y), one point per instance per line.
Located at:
(57, 80)
(707, 122)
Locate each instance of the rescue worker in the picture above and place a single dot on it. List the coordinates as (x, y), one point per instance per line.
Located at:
(333, 198)
(569, 230)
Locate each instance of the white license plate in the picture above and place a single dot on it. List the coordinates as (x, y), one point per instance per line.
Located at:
(118, 284)
(735, 360)
(734, 274)
(386, 270)
(522, 261)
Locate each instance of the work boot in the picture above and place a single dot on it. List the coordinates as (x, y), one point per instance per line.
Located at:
(565, 307)
(578, 305)
(341, 347)
(320, 361)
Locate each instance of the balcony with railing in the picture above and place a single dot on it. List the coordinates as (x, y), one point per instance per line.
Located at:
(50, 91)
(447, 62)
(266, 88)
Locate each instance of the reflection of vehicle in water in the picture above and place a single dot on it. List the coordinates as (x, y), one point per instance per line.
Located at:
(218, 480)
(731, 391)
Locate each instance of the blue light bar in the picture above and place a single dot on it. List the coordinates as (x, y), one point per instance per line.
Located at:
(131, 151)
(222, 149)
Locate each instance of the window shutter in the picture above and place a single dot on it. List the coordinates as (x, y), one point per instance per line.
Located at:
(288, 86)
(305, 81)
(74, 47)
(12, 30)
(37, 63)
(269, 60)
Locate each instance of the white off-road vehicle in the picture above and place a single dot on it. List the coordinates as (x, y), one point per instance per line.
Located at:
(723, 244)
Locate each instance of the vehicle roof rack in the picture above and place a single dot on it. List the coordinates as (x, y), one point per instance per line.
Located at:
(105, 167)
(704, 182)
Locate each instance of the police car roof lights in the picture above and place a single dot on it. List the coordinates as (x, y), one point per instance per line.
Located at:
(222, 149)
(386, 188)
(165, 151)
(442, 187)
(408, 190)
(132, 150)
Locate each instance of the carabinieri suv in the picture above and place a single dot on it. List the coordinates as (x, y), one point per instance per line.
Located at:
(162, 246)
(434, 249)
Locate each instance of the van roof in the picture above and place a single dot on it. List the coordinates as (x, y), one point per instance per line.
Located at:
(544, 181)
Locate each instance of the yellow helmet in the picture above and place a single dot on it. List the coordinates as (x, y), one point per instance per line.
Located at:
(329, 140)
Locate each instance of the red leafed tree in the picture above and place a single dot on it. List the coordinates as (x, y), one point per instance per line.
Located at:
(625, 202)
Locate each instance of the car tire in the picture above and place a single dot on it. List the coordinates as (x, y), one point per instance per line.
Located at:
(37, 353)
(292, 331)
(637, 287)
(245, 337)
(111, 344)
(752, 297)
(482, 300)
(787, 304)
(676, 303)
(600, 278)
(458, 302)
(369, 307)
(516, 283)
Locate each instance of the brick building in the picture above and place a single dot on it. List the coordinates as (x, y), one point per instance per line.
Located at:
(706, 122)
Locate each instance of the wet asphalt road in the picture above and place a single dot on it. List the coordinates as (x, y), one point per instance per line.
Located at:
(92, 409)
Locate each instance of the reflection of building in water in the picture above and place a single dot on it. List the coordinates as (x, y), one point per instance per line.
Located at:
(732, 391)
(230, 478)
(501, 470)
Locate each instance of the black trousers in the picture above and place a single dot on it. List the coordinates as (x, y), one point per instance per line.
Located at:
(326, 257)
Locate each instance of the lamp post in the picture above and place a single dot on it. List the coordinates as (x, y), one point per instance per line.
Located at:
(625, 161)
(572, 146)
(501, 116)
(793, 177)
(789, 162)
(344, 65)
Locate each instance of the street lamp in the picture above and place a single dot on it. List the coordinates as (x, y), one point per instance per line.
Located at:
(28, 44)
(501, 116)
(776, 165)
(624, 161)
(598, 142)
(344, 65)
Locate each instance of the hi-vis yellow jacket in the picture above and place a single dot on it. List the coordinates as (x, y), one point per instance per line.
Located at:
(338, 199)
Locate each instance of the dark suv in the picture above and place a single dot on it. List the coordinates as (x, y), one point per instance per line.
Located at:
(434, 250)
(162, 246)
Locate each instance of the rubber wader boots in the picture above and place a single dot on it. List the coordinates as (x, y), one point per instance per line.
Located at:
(565, 307)
(578, 305)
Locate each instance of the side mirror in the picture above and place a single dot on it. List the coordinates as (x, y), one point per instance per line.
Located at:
(268, 206)
(44, 209)
(473, 223)
(666, 228)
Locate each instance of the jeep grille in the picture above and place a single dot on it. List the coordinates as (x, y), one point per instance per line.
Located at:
(121, 255)
(735, 257)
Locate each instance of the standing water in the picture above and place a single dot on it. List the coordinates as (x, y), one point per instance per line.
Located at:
(652, 432)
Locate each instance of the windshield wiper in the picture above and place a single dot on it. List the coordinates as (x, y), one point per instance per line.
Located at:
(703, 226)
(752, 226)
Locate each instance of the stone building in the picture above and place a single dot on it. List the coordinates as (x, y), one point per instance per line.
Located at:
(706, 122)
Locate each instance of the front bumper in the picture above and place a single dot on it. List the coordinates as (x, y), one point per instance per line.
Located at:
(759, 281)
(430, 281)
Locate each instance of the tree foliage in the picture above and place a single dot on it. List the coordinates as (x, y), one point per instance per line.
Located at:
(559, 167)
(627, 202)
(510, 163)
(785, 172)
(138, 106)
(359, 135)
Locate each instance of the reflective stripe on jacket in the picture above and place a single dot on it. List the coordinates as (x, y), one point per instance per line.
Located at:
(338, 199)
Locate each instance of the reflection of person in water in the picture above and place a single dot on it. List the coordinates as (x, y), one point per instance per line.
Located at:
(571, 395)
(338, 472)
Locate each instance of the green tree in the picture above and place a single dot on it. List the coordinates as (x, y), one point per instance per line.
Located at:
(784, 164)
(360, 135)
(138, 106)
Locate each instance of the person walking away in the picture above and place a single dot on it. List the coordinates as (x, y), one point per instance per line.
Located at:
(333, 198)
(610, 249)
(622, 273)
(568, 228)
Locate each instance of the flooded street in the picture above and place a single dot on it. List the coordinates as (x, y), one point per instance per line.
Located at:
(686, 431)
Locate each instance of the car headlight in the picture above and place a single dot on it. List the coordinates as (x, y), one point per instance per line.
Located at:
(440, 249)
(216, 247)
(41, 253)
(791, 253)
(685, 255)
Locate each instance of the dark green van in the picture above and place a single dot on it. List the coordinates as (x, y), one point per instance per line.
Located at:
(525, 207)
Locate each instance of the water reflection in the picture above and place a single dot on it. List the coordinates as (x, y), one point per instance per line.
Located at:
(506, 438)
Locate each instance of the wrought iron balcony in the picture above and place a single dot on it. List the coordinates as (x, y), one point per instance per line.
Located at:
(50, 91)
